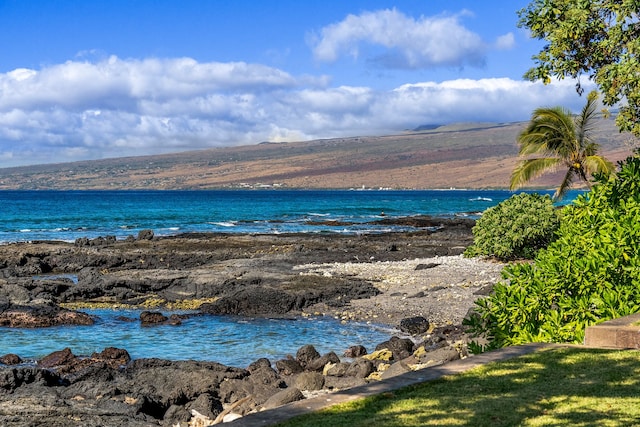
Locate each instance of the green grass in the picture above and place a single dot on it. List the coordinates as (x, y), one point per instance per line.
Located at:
(553, 387)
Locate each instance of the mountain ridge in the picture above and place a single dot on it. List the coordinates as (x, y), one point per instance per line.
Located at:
(463, 155)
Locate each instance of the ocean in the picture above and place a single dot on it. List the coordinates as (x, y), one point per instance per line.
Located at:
(68, 215)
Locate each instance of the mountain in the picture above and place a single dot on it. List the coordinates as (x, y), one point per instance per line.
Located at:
(465, 155)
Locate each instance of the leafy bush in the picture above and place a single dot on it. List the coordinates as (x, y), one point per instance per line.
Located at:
(515, 228)
(591, 273)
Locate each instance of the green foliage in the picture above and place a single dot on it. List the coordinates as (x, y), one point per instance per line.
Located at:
(553, 138)
(596, 38)
(589, 274)
(516, 228)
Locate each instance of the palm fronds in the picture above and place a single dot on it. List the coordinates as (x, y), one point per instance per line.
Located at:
(556, 137)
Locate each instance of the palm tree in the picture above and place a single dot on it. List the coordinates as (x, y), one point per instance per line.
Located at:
(560, 140)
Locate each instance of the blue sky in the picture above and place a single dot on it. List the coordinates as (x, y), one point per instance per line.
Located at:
(95, 79)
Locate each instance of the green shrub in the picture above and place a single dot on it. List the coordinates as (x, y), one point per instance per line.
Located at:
(515, 228)
(589, 274)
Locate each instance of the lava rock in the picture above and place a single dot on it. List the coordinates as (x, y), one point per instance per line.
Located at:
(360, 368)
(283, 397)
(401, 348)
(152, 318)
(10, 359)
(307, 354)
(414, 325)
(288, 367)
(145, 234)
(355, 351)
(41, 316)
(426, 266)
(58, 358)
(318, 364)
(309, 381)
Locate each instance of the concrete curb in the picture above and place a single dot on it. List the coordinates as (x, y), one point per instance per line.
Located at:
(291, 410)
(620, 333)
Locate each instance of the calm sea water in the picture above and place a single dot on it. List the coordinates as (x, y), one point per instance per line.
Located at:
(68, 215)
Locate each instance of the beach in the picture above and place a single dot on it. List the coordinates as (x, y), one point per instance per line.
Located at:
(440, 288)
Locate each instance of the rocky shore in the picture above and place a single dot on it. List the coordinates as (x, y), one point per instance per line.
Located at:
(416, 282)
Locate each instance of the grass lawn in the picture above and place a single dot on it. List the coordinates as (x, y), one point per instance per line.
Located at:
(552, 387)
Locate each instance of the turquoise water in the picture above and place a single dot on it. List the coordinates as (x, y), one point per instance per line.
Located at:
(233, 341)
(68, 215)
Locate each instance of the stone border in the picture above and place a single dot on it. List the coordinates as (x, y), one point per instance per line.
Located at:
(620, 333)
(283, 413)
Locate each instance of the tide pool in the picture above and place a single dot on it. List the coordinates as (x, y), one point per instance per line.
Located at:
(230, 340)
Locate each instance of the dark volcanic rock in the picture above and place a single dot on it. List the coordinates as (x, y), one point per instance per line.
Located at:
(355, 351)
(252, 390)
(82, 241)
(262, 300)
(319, 363)
(261, 363)
(426, 266)
(414, 325)
(309, 381)
(31, 265)
(360, 368)
(306, 354)
(205, 404)
(10, 359)
(115, 356)
(152, 318)
(146, 392)
(338, 369)
(162, 383)
(41, 316)
(252, 302)
(288, 367)
(145, 235)
(175, 320)
(401, 348)
(13, 378)
(283, 397)
(57, 358)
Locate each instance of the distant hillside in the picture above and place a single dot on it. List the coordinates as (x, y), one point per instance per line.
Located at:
(470, 155)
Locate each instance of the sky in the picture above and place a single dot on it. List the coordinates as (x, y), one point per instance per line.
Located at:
(98, 79)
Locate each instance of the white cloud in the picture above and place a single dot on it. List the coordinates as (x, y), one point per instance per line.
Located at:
(114, 108)
(493, 100)
(117, 82)
(505, 41)
(408, 43)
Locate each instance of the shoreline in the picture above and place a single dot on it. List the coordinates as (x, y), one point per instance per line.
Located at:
(417, 282)
(440, 288)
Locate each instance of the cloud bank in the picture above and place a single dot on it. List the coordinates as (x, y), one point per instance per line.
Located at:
(121, 107)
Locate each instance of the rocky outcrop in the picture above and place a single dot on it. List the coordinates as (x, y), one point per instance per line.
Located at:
(16, 316)
(264, 300)
(252, 302)
(109, 389)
